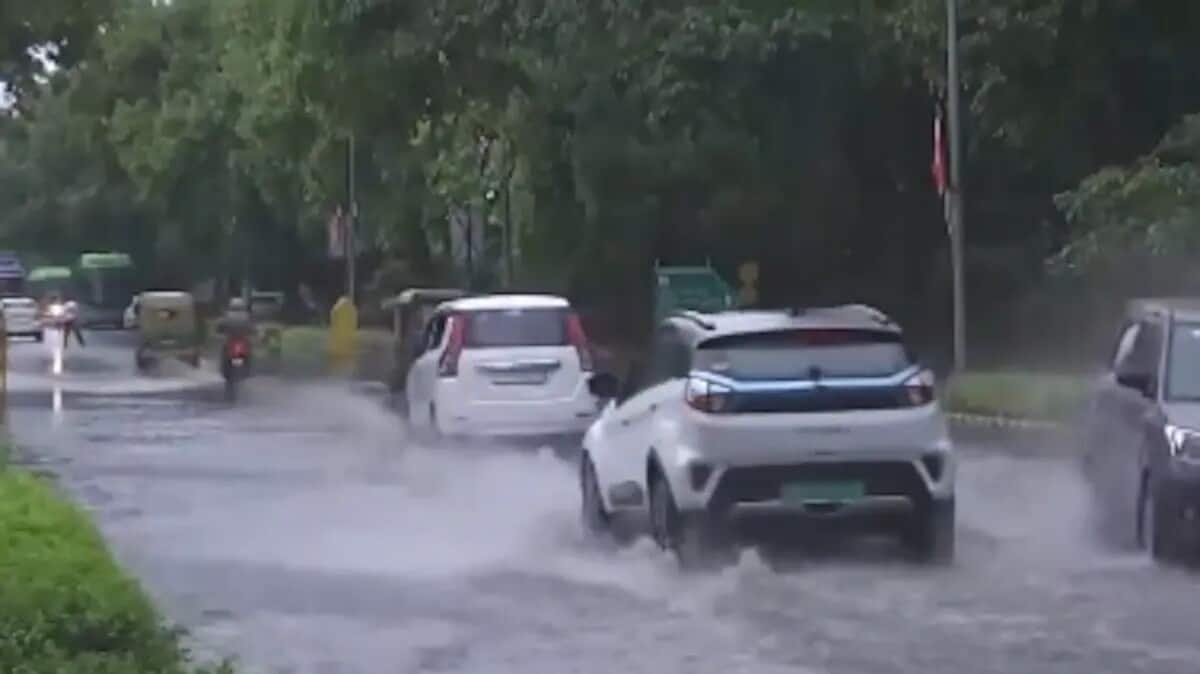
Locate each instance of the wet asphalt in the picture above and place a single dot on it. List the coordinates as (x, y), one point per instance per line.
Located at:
(298, 531)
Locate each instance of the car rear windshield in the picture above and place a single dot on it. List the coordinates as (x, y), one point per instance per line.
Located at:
(1183, 364)
(516, 327)
(804, 354)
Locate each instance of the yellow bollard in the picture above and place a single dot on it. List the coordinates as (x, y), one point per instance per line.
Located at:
(343, 336)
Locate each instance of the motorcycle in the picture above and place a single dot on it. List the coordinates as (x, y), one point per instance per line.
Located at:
(235, 364)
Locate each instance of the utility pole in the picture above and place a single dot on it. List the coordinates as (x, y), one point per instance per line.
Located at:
(954, 87)
(352, 221)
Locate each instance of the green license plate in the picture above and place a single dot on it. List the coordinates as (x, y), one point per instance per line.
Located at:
(799, 493)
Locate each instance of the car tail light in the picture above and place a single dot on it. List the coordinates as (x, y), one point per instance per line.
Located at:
(918, 389)
(579, 340)
(448, 364)
(706, 396)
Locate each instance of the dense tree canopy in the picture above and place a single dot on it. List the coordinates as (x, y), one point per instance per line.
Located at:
(208, 135)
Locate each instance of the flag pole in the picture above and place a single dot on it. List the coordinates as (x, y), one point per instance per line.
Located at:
(955, 204)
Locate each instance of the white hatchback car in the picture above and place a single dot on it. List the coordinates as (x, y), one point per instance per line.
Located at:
(21, 317)
(747, 424)
(502, 366)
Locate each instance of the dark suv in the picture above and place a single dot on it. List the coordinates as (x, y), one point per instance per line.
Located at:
(1143, 429)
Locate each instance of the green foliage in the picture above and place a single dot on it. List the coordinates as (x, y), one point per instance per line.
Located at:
(209, 133)
(1017, 395)
(65, 606)
(1151, 206)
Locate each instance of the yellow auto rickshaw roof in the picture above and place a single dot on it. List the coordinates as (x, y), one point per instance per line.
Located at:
(165, 296)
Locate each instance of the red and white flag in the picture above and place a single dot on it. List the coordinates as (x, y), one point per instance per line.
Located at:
(940, 179)
(337, 234)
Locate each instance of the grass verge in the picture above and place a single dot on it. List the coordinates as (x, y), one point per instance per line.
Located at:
(305, 349)
(1017, 395)
(65, 605)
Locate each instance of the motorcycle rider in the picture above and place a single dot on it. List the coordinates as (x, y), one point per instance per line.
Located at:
(72, 324)
(236, 323)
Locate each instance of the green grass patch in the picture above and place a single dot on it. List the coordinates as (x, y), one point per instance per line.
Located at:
(65, 605)
(1017, 395)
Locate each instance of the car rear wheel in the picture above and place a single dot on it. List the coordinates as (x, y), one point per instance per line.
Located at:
(697, 542)
(930, 535)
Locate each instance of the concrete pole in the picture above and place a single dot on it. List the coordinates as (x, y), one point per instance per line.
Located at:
(954, 87)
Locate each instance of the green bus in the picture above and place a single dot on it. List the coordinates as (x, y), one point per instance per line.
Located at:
(44, 281)
(105, 284)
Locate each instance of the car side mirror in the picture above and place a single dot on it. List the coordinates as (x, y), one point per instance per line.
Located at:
(1138, 381)
(604, 386)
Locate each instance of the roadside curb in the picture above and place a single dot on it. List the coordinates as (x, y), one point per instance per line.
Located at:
(1007, 423)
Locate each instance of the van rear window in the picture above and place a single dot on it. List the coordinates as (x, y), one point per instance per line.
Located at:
(516, 327)
(804, 354)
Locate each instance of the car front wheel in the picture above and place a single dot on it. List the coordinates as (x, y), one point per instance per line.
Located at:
(597, 523)
(1157, 523)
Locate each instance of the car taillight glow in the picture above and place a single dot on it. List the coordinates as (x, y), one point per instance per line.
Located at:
(706, 396)
(918, 389)
(448, 364)
(579, 340)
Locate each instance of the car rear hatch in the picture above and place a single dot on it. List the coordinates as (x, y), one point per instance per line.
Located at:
(20, 308)
(820, 394)
(520, 355)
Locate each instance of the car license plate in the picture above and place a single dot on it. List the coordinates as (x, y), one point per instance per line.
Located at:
(799, 493)
(237, 362)
(519, 379)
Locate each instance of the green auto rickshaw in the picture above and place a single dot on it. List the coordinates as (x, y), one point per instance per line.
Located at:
(411, 310)
(168, 327)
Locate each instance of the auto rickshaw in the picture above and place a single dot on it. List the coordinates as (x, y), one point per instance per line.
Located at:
(411, 310)
(168, 327)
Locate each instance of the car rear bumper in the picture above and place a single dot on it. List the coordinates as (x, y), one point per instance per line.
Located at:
(30, 327)
(800, 488)
(551, 418)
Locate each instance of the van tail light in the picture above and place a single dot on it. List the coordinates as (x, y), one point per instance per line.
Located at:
(579, 340)
(706, 396)
(918, 389)
(448, 364)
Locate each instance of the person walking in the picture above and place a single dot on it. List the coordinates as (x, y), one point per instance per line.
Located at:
(71, 324)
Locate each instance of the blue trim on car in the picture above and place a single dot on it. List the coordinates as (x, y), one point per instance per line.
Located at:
(806, 384)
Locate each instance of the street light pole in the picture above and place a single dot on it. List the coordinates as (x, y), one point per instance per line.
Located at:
(954, 87)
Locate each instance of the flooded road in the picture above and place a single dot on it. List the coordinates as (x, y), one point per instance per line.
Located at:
(301, 533)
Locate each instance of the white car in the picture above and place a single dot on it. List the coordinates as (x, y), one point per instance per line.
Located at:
(502, 366)
(21, 317)
(744, 425)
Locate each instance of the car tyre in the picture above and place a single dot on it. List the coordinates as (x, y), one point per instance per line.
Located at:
(931, 532)
(599, 526)
(38, 337)
(694, 539)
(1157, 523)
